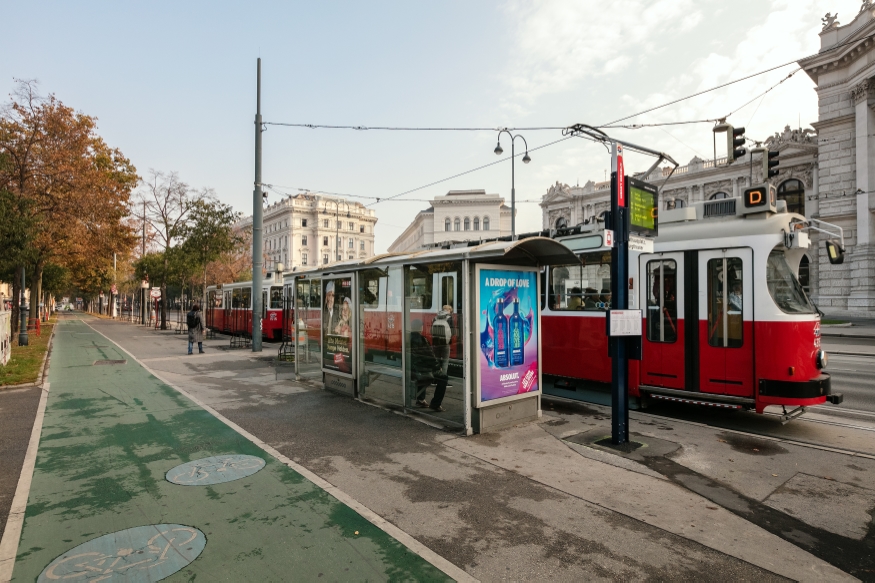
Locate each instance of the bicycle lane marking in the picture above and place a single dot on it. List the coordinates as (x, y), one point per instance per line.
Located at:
(439, 562)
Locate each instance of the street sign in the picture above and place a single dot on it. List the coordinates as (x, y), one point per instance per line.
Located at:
(625, 322)
(640, 244)
(155, 293)
(113, 289)
(609, 238)
(621, 178)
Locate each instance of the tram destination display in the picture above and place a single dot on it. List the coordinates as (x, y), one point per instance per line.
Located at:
(508, 363)
(337, 325)
(643, 207)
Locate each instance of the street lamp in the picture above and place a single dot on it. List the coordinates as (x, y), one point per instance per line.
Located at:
(336, 204)
(526, 159)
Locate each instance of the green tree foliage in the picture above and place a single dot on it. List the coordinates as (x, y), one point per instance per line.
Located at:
(209, 234)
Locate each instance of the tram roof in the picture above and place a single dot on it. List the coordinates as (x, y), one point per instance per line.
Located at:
(533, 252)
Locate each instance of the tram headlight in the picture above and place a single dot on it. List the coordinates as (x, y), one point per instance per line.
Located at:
(822, 359)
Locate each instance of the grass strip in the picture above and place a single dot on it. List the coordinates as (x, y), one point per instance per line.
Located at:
(26, 361)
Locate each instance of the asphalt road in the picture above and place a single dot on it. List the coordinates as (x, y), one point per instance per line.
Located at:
(854, 376)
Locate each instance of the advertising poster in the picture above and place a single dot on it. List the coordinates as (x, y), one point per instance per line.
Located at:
(5, 336)
(508, 327)
(337, 325)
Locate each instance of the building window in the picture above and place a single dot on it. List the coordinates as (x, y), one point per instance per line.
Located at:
(303, 222)
(361, 228)
(362, 245)
(467, 224)
(325, 259)
(485, 223)
(476, 223)
(457, 225)
(339, 223)
(352, 256)
(325, 241)
(351, 243)
(304, 258)
(351, 226)
(325, 223)
(718, 196)
(793, 192)
(447, 225)
(304, 241)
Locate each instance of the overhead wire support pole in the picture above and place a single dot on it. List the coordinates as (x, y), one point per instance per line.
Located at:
(257, 226)
(620, 347)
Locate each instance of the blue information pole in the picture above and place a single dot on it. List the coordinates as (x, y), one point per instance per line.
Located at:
(619, 300)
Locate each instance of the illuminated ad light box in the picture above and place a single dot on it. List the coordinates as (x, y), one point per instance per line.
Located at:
(643, 207)
(508, 359)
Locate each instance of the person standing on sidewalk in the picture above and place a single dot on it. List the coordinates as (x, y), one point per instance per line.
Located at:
(196, 326)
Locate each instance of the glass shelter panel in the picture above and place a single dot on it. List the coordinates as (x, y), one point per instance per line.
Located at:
(380, 341)
(434, 345)
(308, 328)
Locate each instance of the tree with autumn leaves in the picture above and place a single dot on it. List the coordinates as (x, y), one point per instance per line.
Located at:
(65, 195)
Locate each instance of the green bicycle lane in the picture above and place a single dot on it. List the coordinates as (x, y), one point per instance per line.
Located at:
(110, 434)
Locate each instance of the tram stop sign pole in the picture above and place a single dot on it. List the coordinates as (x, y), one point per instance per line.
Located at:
(619, 300)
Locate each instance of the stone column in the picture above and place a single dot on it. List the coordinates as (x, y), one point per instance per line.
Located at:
(862, 259)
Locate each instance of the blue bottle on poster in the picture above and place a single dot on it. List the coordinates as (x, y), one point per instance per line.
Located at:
(500, 327)
(517, 336)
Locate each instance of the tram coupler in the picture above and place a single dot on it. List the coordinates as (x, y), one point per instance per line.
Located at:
(794, 414)
(835, 398)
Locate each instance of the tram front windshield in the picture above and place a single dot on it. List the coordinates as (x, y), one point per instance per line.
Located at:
(783, 286)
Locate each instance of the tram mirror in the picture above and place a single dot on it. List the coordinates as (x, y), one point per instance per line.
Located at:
(835, 253)
(643, 207)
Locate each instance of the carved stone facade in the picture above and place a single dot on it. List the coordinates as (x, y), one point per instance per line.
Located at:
(844, 71)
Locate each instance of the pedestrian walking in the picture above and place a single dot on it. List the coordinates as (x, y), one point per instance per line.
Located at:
(425, 369)
(196, 326)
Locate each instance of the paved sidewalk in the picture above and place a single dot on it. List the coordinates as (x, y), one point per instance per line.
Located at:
(703, 501)
(112, 431)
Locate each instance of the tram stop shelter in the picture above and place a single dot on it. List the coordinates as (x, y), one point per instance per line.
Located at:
(451, 333)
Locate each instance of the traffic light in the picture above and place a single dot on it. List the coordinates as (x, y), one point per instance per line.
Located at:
(735, 143)
(770, 163)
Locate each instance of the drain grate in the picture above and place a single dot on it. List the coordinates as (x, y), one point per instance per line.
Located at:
(101, 362)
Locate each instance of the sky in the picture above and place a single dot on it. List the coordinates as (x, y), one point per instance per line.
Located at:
(173, 85)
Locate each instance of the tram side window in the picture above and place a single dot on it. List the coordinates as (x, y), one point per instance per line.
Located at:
(276, 298)
(370, 290)
(448, 291)
(582, 287)
(419, 289)
(246, 298)
(236, 299)
(725, 303)
(662, 303)
(315, 295)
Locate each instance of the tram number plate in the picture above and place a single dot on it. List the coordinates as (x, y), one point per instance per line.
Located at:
(625, 322)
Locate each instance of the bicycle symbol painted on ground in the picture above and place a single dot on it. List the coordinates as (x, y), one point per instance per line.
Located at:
(215, 470)
(142, 553)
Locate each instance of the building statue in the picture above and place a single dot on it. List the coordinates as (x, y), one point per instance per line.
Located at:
(830, 21)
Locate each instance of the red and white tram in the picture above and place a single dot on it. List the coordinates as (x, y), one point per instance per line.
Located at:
(725, 319)
(229, 308)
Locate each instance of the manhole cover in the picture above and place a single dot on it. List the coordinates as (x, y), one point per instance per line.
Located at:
(215, 470)
(100, 362)
(142, 553)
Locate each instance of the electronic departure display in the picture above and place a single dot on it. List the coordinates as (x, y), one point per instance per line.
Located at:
(643, 207)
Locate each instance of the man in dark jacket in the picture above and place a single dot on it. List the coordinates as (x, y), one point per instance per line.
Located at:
(196, 327)
(425, 369)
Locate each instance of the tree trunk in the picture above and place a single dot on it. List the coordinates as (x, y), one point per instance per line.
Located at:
(36, 285)
(164, 293)
(204, 293)
(16, 301)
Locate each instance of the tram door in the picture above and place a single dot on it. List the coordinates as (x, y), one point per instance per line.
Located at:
(662, 284)
(726, 322)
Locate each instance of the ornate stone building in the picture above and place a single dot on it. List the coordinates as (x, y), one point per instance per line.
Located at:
(828, 174)
(459, 215)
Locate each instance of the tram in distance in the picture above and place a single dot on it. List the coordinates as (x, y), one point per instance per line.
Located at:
(229, 308)
(725, 321)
